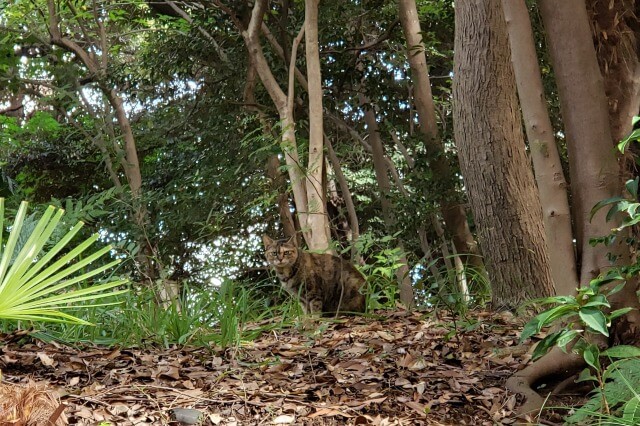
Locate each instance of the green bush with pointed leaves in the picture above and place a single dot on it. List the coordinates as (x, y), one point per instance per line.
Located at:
(37, 282)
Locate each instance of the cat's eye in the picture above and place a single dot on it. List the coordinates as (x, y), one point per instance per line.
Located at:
(273, 253)
(287, 252)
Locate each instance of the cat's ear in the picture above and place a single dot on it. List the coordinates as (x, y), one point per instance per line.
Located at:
(266, 240)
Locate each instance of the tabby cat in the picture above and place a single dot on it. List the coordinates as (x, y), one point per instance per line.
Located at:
(322, 283)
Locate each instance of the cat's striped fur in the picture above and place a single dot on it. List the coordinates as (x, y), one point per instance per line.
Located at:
(321, 282)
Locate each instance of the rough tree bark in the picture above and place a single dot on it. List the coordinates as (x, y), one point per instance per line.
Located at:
(616, 32)
(552, 185)
(492, 157)
(453, 212)
(594, 173)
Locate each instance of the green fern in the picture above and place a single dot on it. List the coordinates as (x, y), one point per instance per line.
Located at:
(621, 392)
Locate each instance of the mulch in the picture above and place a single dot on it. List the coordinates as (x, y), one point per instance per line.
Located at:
(395, 368)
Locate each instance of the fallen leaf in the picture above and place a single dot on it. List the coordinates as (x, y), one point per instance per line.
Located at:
(283, 420)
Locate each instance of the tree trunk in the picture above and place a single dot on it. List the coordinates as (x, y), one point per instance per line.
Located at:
(346, 194)
(552, 186)
(312, 229)
(98, 67)
(134, 179)
(380, 169)
(278, 180)
(455, 218)
(593, 166)
(594, 176)
(492, 157)
(279, 185)
(616, 30)
(316, 197)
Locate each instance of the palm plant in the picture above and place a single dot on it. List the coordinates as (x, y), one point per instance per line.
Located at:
(35, 283)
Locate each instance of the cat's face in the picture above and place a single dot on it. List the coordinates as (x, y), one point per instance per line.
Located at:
(280, 253)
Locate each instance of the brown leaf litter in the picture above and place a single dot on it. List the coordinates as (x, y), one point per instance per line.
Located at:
(30, 404)
(398, 368)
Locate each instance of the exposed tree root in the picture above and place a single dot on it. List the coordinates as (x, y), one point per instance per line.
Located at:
(555, 363)
(560, 365)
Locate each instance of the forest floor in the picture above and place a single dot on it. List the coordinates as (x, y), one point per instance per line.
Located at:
(396, 368)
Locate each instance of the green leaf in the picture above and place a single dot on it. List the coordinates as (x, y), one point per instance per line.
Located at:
(585, 376)
(595, 319)
(631, 411)
(558, 300)
(633, 136)
(622, 351)
(618, 313)
(546, 318)
(545, 344)
(603, 203)
(36, 290)
(632, 187)
(591, 356)
(617, 288)
(530, 328)
(598, 282)
(566, 337)
(562, 300)
(597, 300)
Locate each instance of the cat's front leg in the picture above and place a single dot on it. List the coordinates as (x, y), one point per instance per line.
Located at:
(314, 307)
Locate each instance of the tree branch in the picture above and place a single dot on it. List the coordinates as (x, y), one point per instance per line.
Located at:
(292, 67)
(403, 149)
(257, 16)
(346, 193)
(184, 15)
(66, 43)
(300, 77)
(368, 45)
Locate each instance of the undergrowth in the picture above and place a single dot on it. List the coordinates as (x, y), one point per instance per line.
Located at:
(216, 316)
(619, 397)
(236, 311)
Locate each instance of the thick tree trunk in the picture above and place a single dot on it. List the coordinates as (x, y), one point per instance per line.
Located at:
(616, 31)
(552, 185)
(594, 176)
(492, 157)
(453, 212)
(384, 185)
(593, 166)
(317, 219)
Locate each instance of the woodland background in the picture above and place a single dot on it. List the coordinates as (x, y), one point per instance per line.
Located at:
(455, 151)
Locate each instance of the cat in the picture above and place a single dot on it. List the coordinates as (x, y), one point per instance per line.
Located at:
(322, 283)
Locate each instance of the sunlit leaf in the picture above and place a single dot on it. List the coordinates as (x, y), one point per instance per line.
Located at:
(595, 319)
